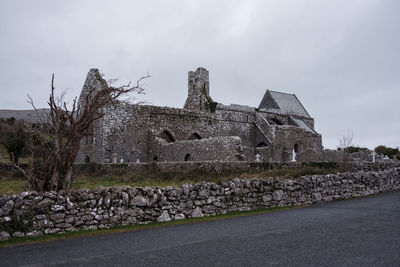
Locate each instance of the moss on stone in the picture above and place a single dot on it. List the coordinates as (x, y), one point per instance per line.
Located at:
(210, 105)
(100, 78)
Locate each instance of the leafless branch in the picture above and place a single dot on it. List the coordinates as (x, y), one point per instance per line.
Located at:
(346, 140)
(66, 128)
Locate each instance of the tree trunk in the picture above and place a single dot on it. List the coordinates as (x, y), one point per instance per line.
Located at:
(68, 179)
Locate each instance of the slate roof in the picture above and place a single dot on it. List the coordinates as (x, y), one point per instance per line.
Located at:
(303, 125)
(283, 101)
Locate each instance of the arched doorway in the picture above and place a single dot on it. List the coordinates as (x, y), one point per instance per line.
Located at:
(188, 157)
(296, 148)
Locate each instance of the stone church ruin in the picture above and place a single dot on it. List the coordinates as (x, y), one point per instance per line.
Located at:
(279, 130)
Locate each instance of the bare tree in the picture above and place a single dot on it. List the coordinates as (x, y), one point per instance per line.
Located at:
(52, 169)
(346, 140)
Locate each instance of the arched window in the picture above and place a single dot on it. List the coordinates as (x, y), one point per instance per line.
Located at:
(262, 144)
(188, 157)
(155, 158)
(296, 148)
(167, 136)
(194, 136)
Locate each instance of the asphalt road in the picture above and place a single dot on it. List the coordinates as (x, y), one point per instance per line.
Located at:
(358, 232)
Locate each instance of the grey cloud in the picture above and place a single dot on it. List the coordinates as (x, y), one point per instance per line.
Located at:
(339, 57)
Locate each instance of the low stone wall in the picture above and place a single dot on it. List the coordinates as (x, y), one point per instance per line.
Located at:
(31, 214)
(364, 156)
(221, 167)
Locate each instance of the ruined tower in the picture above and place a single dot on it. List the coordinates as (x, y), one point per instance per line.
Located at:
(89, 149)
(93, 82)
(199, 91)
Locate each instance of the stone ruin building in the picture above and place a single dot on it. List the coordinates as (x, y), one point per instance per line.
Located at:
(279, 130)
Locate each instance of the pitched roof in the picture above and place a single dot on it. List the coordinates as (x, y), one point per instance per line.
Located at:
(303, 125)
(283, 101)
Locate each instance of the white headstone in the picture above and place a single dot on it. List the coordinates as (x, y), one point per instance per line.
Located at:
(137, 161)
(258, 158)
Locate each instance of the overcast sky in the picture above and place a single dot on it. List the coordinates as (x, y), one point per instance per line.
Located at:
(341, 58)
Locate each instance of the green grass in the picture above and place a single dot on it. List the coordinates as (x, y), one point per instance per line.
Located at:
(120, 229)
(9, 186)
(169, 178)
(123, 176)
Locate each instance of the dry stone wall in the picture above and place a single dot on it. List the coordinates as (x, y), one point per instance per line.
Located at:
(31, 214)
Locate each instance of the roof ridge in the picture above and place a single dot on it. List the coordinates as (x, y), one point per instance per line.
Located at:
(280, 92)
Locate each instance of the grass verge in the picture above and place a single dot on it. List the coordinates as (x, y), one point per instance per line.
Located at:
(119, 229)
(123, 176)
(9, 186)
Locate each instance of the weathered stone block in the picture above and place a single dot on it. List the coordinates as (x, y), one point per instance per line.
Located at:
(164, 217)
(139, 201)
(316, 197)
(197, 212)
(4, 235)
(277, 195)
(7, 207)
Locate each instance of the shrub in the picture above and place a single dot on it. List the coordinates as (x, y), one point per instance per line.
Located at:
(388, 151)
(15, 139)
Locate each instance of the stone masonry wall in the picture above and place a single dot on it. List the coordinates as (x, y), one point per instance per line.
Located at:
(31, 214)
(127, 133)
(126, 130)
(228, 148)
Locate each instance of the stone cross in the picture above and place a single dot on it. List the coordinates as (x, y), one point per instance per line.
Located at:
(258, 158)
